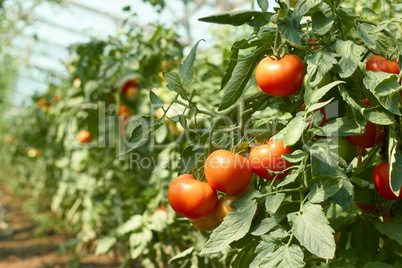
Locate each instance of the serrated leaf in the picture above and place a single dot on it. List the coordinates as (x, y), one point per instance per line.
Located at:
(345, 196)
(318, 64)
(269, 223)
(364, 30)
(378, 115)
(350, 57)
(369, 11)
(231, 65)
(105, 244)
(174, 82)
(318, 105)
(292, 132)
(133, 224)
(324, 187)
(319, 93)
(273, 202)
(239, 17)
(296, 157)
(139, 242)
(354, 105)
(188, 159)
(324, 162)
(290, 30)
(390, 229)
(285, 256)
(186, 254)
(263, 4)
(304, 6)
(235, 225)
(291, 177)
(240, 77)
(187, 68)
(342, 126)
(313, 231)
(321, 23)
(395, 162)
(155, 100)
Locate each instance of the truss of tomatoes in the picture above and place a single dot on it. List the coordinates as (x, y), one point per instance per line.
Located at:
(231, 173)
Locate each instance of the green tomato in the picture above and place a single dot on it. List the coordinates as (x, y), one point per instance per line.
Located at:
(347, 150)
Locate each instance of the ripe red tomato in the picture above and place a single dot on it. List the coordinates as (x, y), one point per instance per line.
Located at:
(227, 172)
(373, 135)
(381, 181)
(42, 103)
(281, 77)
(192, 198)
(130, 89)
(381, 64)
(206, 224)
(84, 136)
(223, 207)
(269, 156)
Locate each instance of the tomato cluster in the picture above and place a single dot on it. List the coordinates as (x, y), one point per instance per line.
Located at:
(230, 174)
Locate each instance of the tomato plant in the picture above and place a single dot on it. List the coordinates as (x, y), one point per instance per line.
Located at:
(382, 183)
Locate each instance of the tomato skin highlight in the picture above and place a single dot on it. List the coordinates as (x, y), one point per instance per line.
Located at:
(192, 198)
(223, 207)
(381, 182)
(281, 77)
(381, 64)
(206, 224)
(269, 156)
(227, 172)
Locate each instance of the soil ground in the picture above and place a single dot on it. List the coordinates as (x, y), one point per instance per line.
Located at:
(22, 247)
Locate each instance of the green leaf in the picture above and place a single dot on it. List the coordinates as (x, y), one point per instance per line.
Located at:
(354, 105)
(395, 162)
(139, 242)
(184, 255)
(318, 64)
(364, 30)
(318, 105)
(291, 177)
(240, 77)
(231, 65)
(235, 225)
(273, 202)
(312, 229)
(345, 196)
(133, 224)
(269, 223)
(290, 30)
(155, 100)
(240, 17)
(187, 68)
(376, 264)
(342, 126)
(189, 158)
(296, 157)
(321, 23)
(378, 115)
(268, 244)
(304, 6)
(369, 11)
(105, 244)
(324, 162)
(324, 187)
(385, 45)
(244, 257)
(285, 256)
(390, 229)
(174, 83)
(350, 57)
(263, 4)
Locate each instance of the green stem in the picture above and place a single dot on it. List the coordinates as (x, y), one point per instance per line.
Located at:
(277, 40)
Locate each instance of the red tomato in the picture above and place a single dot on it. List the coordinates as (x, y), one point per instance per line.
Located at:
(223, 207)
(192, 198)
(227, 172)
(373, 135)
(129, 84)
(311, 41)
(381, 64)
(382, 183)
(269, 156)
(84, 136)
(206, 224)
(281, 77)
